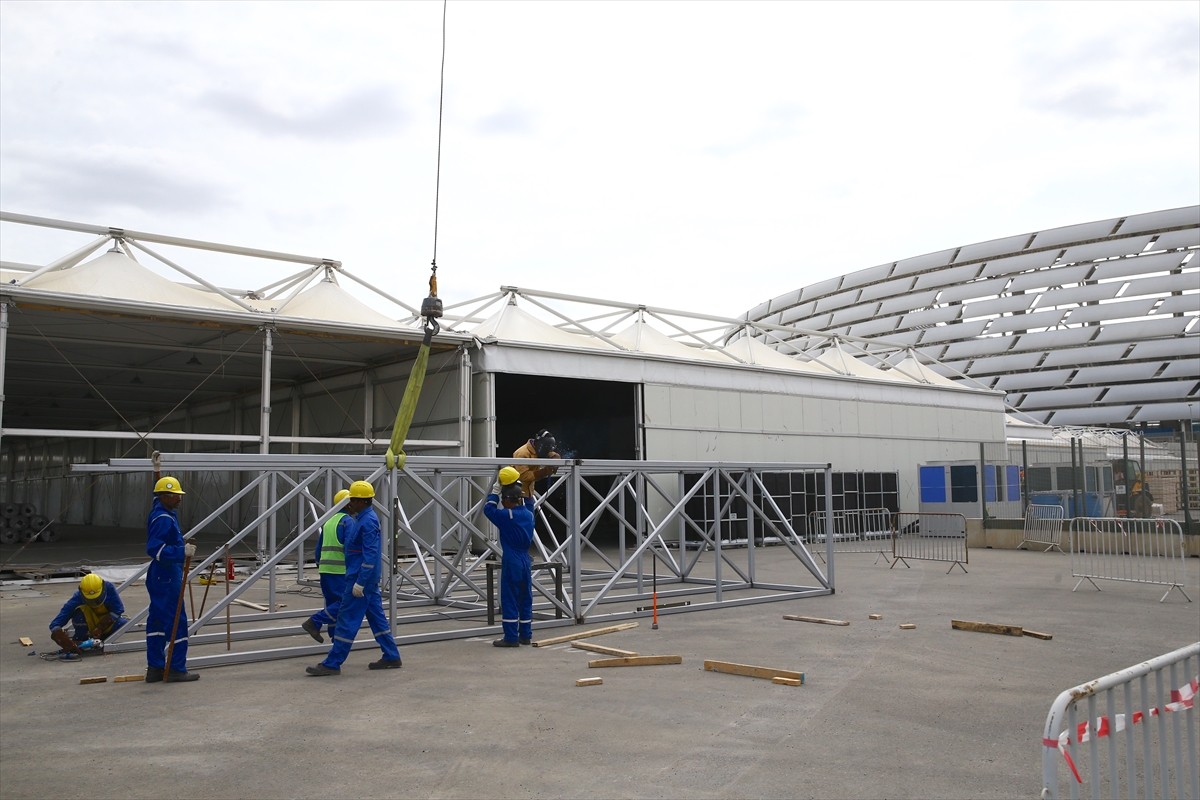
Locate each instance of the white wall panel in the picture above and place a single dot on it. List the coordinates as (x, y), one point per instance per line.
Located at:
(1183, 368)
(1173, 239)
(907, 302)
(1075, 233)
(1113, 373)
(1167, 348)
(1126, 267)
(1151, 392)
(862, 277)
(910, 266)
(950, 276)
(1151, 412)
(1059, 398)
(1106, 249)
(1163, 284)
(1169, 218)
(887, 289)
(1045, 278)
(1180, 304)
(1018, 263)
(1033, 380)
(1122, 309)
(998, 305)
(1143, 329)
(1085, 355)
(948, 333)
(1074, 295)
(996, 247)
(1025, 322)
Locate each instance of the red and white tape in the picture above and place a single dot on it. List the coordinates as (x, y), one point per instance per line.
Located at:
(1182, 699)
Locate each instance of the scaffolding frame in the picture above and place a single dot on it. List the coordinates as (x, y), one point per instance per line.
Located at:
(441, 543)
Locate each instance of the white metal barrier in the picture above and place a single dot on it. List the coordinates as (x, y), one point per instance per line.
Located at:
(860, 530)
(1137, 735)
(1132, 550)
(1043, 527)
(930, 537)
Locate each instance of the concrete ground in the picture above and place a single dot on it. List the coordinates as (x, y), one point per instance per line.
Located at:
(884, 712)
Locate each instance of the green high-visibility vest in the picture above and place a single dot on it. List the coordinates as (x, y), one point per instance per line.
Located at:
(333, 558)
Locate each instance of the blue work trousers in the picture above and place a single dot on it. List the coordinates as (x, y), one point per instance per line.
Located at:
(516, 596)
(159, 622)
(349, 620)
(332, 588)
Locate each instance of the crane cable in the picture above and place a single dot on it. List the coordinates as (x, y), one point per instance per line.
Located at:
(431, 306)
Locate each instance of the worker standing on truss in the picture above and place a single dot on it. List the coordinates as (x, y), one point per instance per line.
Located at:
(363, 548)
(512, 514)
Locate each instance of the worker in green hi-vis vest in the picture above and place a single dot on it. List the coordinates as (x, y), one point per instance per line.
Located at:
(331, 565)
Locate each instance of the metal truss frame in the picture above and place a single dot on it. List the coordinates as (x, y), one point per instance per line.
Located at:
(609, 528)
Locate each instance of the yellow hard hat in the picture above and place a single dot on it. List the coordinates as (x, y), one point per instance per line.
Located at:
(92, 586)
(361, 489)
(168, 484)
(340, 496)
(509, 475)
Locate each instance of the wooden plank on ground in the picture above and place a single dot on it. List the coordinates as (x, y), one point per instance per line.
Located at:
(782, 681)
(25, 641)
(599, 648)
(751, 671)
(908, 626)
(874, 616)
(818, 620)
(129, 678)
(589, 681)
(96, 679)
(986, 627)
(1037, 634)
(248, 604)
(635, 661)
(624, 626)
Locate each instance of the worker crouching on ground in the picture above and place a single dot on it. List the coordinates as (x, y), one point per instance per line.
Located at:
(331, 567)
(512, 513)
(95, 610)
(542, 445)
(164, 582)
(363, 545)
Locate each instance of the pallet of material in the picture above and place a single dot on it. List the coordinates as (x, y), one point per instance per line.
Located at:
(750, 671)
(570, 637)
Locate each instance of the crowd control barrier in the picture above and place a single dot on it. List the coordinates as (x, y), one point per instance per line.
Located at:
(1043, 528)
(859, 530)
(1131, 550)
(1137, 735)
(930, 537)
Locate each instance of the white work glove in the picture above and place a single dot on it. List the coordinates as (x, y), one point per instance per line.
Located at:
(496, 488)
(189, 549)
(357, 590)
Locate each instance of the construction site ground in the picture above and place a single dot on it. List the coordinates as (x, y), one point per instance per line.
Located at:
(884, 712)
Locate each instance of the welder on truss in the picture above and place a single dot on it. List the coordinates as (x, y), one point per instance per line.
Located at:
(542, 445)
(95, 610)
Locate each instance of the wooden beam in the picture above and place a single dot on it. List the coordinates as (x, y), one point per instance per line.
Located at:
(819, 620)
(589, 681)
(96, 679)
(1038, 634)
(248, 604)
(129, 678)
(986, 627)
(874, 616)
(599, 648)
(908, 626)
(749, 671)
(635, 661)
(25, 641)
(624, 626)
(782, 681)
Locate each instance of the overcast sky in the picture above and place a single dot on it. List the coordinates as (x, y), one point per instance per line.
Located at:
(702, 156)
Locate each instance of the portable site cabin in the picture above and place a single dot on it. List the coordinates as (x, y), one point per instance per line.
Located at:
(107, 358)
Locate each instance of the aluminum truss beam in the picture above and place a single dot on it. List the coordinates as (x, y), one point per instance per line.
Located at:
(610, 525)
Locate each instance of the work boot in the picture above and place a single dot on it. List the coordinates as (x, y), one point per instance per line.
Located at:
(154, 674)
(312, 630)
(182, 677)
(525, 641)
(385, 663)
(505, 643)
(320, 670)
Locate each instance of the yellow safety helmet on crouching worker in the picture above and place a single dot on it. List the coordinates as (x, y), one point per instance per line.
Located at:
(361, 490)
(92, 586)
(168, 484)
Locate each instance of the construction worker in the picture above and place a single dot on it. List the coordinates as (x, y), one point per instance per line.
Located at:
(164, 582)
(331, 567)
(542, 445)
(362, 545)
(95, 610)
(511, 511)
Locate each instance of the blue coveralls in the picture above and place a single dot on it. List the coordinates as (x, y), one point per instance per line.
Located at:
(164, 582)
(362, 546)
(516, 567)
(109, 605)
(333, 585)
